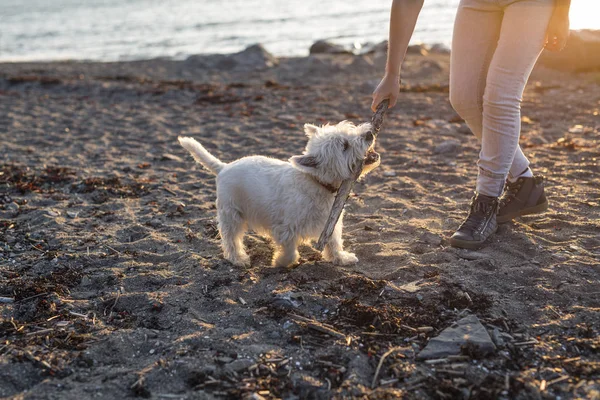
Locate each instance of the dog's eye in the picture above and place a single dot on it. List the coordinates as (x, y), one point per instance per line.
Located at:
(346, 144)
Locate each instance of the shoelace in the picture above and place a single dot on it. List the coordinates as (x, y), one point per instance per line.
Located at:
(510, 191)
(478, 209)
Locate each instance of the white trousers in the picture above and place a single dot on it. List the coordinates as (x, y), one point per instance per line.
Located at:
(495, 46)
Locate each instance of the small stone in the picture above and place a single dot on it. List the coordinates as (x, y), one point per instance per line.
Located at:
(72, 214)
(151, 351)
(389, 173)
(431, 238)
(170, 157)
(239, 365)
(287, 325)
(576, 129)
(155, 223)
(497, 338)
(53, 213)
(12, 206)
(446, 147)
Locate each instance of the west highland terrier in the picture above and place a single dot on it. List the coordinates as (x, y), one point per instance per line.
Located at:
(287, 201)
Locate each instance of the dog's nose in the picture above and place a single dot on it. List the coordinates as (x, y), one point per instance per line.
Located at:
(369, 137)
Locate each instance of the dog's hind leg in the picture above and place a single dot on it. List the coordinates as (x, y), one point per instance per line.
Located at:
(232, 228)
(334, 249)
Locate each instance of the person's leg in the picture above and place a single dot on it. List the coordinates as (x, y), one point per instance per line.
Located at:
(522, 38)
(505, 62)
(476, 33)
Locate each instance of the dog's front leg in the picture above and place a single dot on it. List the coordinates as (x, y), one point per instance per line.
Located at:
(334, 249)
(287, 254)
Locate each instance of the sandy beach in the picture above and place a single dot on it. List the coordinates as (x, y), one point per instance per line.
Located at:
(114, 281)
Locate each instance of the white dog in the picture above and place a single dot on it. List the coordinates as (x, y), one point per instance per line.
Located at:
(287, 201)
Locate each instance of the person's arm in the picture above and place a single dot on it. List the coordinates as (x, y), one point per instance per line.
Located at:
(403, 18)
(558, 28)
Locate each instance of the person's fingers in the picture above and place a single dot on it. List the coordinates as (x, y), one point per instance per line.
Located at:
(376, 100)
(393, 100)
(562, 43)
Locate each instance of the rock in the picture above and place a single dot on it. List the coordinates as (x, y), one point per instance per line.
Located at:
(287, 301)
(447, 146)
(430, 238)
(155, 223)
(582, 53)
(467, 331)
(170, 157)
(439, 48)
(360, 370)
(72, 214)
(12, 206)
(497, 338)
(326, 47)
(255, 57)
(430, 67)
(239, 365)
(380, 47)
(361, 64)
(417, 49)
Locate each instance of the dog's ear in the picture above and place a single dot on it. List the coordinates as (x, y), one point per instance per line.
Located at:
(310, 130)
(304, 163)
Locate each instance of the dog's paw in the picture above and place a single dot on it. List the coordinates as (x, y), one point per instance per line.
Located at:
(345, 258)
(240, 261)
(286, 260)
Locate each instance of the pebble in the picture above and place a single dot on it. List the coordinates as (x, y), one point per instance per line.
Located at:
(240, 365)
(389, 173)
(72, 214)
(12, 206)
(448, 146)
(155, 223)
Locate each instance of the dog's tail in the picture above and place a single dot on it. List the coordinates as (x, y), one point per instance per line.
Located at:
(201, 155)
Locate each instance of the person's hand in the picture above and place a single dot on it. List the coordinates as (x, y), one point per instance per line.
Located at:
(388, 88)
(558, 30)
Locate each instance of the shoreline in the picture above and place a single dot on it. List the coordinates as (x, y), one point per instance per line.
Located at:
(333, 48)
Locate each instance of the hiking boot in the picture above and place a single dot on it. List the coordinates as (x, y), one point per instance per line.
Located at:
(479, 225)
(523, 197)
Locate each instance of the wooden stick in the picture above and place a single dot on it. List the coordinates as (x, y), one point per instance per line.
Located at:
(347, 185)
(383, 357)
(317, 326)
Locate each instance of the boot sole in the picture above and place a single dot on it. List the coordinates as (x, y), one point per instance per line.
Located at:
(469, 244)
(540, 208)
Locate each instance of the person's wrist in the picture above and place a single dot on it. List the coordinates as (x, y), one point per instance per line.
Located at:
(392, 76)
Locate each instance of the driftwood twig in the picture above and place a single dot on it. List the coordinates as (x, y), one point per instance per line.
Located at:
(347, 185)
(318, 326)
(383, 357)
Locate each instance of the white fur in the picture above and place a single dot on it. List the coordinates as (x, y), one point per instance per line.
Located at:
(283, 200)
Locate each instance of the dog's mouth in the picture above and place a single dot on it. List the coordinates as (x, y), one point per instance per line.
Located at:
(372, 157)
